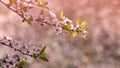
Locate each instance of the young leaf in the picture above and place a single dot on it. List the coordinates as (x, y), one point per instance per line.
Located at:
(60, 15)
(23, 9)
(23, 63)
(42, 50)
(30, 20)
(83, 25)
(74, 34)
(44, 57)
(77, 22)
(67, 26)
(13, 2)
(41, 3)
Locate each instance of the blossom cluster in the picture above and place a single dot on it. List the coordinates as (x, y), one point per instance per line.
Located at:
(64, 23)
(59, 21)
(14, 59)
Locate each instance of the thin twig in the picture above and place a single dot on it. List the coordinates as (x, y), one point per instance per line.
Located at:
(13, 10)
(10, 45)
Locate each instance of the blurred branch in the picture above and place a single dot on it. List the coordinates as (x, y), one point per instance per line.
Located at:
(8, 6)
(1, 60)
(21, 15)
(14, 59)
(1, 66)
(23, 49)
(12, 43)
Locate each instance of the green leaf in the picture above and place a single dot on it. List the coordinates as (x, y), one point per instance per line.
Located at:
(42, 50)
(23, 63)
(44, 57)
(30, 20)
